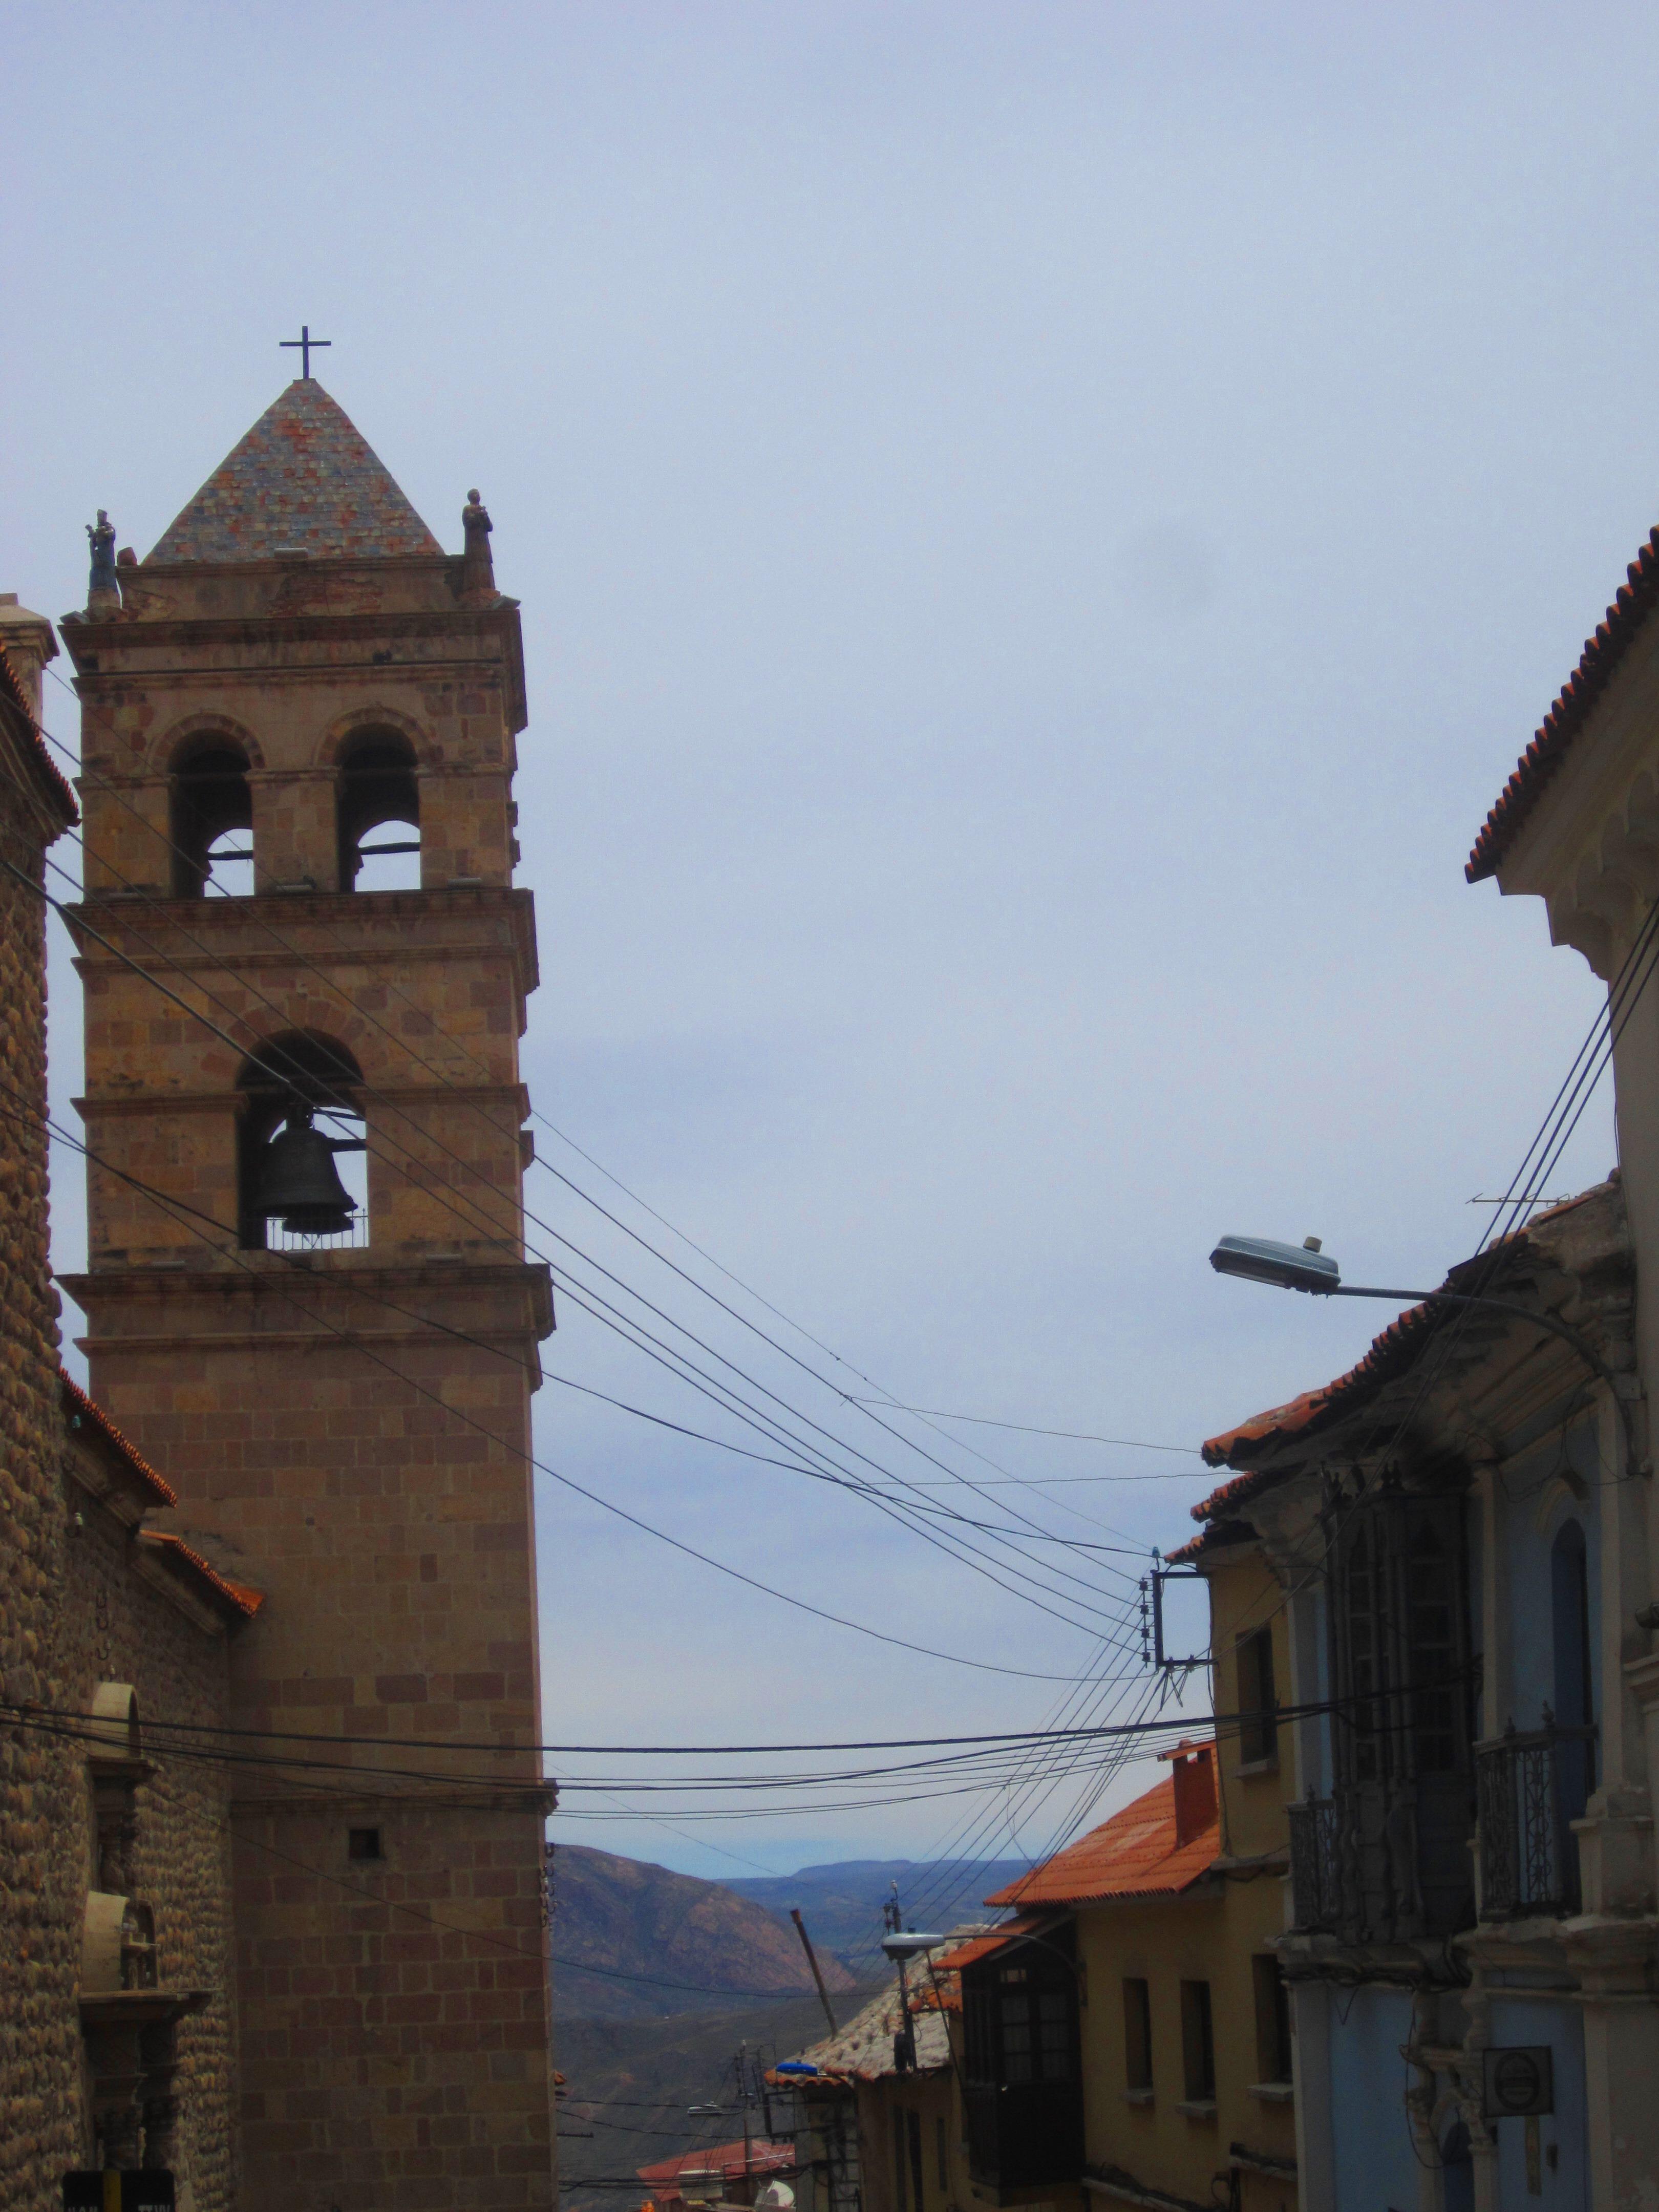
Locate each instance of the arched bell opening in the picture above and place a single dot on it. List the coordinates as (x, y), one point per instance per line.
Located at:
(379, 792)
(211, 808)
(301, 1146)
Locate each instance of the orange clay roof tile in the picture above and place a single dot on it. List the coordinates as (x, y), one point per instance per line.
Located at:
(242, 1596)
(1602, 654)
(80, 1408)
(40, 761)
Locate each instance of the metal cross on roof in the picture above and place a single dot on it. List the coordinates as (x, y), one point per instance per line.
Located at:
(307, 346)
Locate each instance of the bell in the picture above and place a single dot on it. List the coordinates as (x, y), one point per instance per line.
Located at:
(299, 1181)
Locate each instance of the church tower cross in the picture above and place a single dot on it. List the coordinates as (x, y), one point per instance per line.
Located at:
(307, 345)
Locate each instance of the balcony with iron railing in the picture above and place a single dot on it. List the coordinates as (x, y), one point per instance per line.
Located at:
(1315, 1885)
(1530, 1786)
(1383, 1861)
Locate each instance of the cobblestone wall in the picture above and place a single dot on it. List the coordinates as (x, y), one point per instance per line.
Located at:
(41, 1790)
(120, 1626)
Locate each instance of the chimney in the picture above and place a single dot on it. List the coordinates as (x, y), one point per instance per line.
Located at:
(1194, 1790)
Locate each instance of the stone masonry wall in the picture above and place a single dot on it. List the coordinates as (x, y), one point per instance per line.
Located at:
(40, 1788)
(119, 1626)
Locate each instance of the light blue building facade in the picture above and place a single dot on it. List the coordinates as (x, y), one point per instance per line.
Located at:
(1459, 1528)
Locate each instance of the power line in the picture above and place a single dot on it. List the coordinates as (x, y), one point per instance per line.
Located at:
(966, 1552)
(1075, 1436)
(332, 984)
(633, 1331)
(568, 1482)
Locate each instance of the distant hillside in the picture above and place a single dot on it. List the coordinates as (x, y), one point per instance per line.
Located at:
(633, 1942)
(631, 2081)
(841, 1903)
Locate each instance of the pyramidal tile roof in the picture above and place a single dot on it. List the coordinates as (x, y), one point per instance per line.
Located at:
(304, 479)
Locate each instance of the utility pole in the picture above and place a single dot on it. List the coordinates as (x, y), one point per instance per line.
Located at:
(812, 1962)
(748, 2150)
(904, 2043)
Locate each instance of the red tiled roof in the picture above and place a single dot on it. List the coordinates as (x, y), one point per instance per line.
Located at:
(245, 1600)
(1136, 1853)
(1601, 655)
(80, 1408)
(1390, 1353)
(724, 2163)
(11, 686)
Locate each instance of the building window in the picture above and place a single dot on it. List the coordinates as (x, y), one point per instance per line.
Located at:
(1198, 2042)
(302, 1147)
(211, 824)
(1257, 1734)
(1035, 2017)
(1137, 2033)
(1401, 1639)
(1431, 1601)
(379, 792)
(1272, 2018)
(363, 1843)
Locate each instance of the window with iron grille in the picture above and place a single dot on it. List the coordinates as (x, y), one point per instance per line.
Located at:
(1021, 2027)
(1400, 1633)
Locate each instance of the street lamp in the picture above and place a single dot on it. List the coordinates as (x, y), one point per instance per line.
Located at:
(903, 1944)
(1305, 1266)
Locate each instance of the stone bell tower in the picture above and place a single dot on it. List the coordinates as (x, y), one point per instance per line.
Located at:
(296, 683)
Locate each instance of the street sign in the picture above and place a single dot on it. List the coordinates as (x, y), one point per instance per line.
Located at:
(150, 2191)
(1520, 2082)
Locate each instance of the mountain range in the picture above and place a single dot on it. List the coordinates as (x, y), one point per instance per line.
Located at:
(635, 1942)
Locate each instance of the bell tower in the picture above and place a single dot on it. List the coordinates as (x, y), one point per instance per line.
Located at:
(306, 969)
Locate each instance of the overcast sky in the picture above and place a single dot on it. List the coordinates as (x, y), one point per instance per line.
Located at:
(1042, 530)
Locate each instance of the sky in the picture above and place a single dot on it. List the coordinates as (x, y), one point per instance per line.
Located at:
(1042, 530)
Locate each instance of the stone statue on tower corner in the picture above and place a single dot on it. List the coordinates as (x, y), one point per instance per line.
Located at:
(479, 576)
(103, 589)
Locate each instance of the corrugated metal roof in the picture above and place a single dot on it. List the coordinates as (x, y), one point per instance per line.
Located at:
(1137, 1853)
(727, 2162)
(995, 1940)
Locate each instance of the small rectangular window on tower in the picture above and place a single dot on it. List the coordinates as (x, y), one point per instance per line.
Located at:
(364, 1844)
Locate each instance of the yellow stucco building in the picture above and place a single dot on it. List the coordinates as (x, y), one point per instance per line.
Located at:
(1159, 1926)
